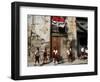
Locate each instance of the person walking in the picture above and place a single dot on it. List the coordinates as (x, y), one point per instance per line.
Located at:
(37, 56)
(55, 56)
(45, 56)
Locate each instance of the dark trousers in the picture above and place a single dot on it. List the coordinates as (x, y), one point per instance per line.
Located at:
(36, 59)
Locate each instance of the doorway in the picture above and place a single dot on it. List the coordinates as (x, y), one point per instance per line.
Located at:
(56, 43)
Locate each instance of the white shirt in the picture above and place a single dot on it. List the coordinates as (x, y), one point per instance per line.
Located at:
(55, 51)
(82, 49)
(68, 52)
(86, 51)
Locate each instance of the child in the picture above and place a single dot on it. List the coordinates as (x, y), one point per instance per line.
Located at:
(37, 56)
(45, 56)
(55, 56)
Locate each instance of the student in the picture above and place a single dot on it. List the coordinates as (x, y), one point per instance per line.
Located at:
(70, 55)
(86, 53)
(45, 56)
(67, 53)
(37, 56)
(55, 56)
(82, 53)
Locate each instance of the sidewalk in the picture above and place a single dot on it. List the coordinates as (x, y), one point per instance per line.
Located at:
(75, 62)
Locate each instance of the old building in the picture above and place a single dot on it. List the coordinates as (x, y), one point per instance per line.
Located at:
(65, 33)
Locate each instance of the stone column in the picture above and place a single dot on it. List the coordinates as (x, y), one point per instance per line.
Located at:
(72, 34)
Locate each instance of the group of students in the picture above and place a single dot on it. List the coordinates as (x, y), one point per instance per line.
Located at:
(37, 56)
(55, 58)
